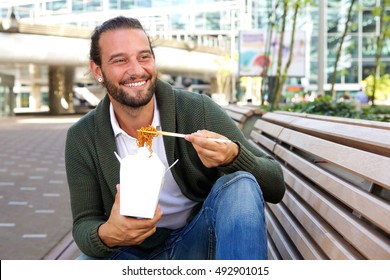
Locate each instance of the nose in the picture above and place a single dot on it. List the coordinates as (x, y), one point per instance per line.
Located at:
(135, 69)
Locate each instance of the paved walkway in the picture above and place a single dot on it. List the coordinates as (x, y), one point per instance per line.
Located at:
(34, 200)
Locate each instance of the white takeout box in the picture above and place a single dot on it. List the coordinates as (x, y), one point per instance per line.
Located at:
(141, 178)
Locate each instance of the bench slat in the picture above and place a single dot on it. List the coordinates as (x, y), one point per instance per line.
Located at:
(66, 249)
(261, 139)
(366, 138)
(370, 166)
(370, 206)
(269, 128)
(325, 236)
(304, 243)
(368, 242)
(237, 117)
(273, 253)
(240, 109)
(357, 122)
(285, 247)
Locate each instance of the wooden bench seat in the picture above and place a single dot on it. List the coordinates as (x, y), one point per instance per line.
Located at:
(244, 116)
(338, 188)
(66, 249)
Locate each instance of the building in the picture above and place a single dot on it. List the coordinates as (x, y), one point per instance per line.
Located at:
(220, 22)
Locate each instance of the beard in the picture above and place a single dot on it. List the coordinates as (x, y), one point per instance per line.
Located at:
(137, 100)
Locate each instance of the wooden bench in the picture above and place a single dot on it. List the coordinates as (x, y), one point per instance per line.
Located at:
(337, 174)
(66, 249)
(244, 116)
(359, 122)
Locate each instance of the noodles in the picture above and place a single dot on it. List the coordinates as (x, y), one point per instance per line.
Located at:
(146, 138)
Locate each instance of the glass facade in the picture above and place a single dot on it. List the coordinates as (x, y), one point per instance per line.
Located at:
(359, 48)
(222, 18)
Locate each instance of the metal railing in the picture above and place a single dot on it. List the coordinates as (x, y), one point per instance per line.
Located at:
(217, 43)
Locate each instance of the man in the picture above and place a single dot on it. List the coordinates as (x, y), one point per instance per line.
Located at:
(211, 204)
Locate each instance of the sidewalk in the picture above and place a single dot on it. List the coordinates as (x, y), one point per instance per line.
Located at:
(34, 199)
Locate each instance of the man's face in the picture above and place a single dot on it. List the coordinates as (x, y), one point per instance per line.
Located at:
(128, 66)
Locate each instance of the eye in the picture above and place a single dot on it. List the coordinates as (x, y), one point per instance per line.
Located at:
(119, 60)
(145, 57)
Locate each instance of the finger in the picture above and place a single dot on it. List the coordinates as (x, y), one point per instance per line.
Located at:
(158, 213)
(206, 138)
(145, 235)
(116, 205)
(118, 189)
(204, 134)
(209, 134)
(203, 144)
(221, 156)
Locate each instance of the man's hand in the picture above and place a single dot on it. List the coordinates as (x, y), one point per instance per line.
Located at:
(211, 153)
(120, 230)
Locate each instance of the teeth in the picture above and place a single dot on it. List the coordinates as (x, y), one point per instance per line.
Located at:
(136, 84)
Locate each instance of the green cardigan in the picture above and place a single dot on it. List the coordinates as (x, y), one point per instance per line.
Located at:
(93, 170)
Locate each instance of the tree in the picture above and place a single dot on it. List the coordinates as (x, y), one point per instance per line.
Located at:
(276, 83)
(223, 74)
(382, 87)
(274, 98)
(282, 77)
(340, 49)
(384, 32)
(270, 29)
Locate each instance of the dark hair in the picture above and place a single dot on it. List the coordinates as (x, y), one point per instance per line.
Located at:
(119, 22)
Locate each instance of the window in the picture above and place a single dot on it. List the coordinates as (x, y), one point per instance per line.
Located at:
(179, 22)
(368, 3)
(369, 23)
(56, 5)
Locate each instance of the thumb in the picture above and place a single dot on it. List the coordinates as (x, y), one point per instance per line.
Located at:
(117, 196)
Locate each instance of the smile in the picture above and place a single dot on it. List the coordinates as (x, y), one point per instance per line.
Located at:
(137, 84)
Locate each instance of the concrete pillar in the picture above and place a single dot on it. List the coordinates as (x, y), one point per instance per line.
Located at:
(36, 94)
(61, 89)
(7, 83)
(69, 83)
(213, 85)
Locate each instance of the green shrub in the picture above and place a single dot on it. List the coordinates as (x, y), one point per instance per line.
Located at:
(347, 109)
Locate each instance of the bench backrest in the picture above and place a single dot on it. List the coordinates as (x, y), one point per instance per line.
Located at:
(337, 176)
(244, 116)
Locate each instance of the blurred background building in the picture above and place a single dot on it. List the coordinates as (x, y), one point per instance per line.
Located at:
(44, 47)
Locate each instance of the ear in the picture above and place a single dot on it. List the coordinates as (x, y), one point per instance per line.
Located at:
(96, 71)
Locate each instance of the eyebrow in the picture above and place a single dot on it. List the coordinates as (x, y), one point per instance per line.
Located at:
(112, 57)
(115, 56)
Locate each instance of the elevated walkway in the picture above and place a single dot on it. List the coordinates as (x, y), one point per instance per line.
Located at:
(53, 58)
(69, 46)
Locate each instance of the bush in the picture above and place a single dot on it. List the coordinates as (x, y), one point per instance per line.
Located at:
(347, 109)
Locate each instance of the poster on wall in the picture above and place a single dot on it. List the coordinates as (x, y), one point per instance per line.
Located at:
(255, 61)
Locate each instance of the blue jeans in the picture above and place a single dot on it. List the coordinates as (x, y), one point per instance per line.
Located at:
(230, 226)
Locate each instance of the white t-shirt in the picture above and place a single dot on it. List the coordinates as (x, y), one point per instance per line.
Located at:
(175, 206)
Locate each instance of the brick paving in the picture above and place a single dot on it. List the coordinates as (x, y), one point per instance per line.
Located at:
(34, 199)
